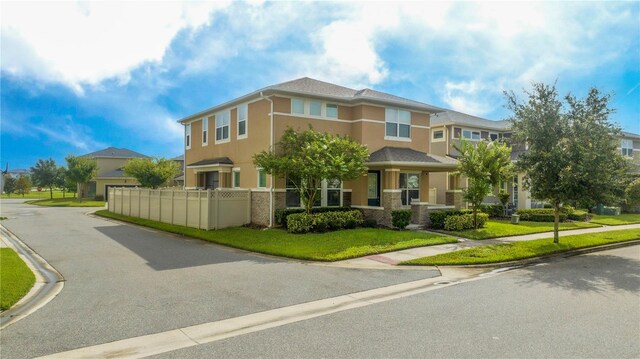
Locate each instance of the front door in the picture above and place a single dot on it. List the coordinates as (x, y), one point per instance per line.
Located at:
(373, 188)
(212, 180)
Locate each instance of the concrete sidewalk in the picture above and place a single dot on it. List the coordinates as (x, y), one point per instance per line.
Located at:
(391, 259)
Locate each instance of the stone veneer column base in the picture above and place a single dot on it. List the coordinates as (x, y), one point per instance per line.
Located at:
(454, 198)
(260, 208)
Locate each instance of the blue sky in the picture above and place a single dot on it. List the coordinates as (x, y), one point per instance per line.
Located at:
(80, 76)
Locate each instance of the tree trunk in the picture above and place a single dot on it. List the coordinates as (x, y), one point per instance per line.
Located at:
(556, 221)
(475, 217)
(51, 192)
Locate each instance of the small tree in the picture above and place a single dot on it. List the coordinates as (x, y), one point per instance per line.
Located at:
(23, 185)
(485, 165)
(572, 154)
(45, 174)
(503, 196)
(632, 193)
(9, 185)
(79, 170)
(152, 173)
(309, 157)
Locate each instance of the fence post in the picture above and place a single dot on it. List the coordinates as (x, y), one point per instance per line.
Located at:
(208, 202)
(199, 209)
(159, 205)
(148, 204)
(122, 200)
(186, 208)
(248, 201)
(172, 204)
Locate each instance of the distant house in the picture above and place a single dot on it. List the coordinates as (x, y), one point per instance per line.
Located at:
(110, 162)
(179, 179)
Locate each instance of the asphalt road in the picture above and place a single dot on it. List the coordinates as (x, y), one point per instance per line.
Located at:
(580, 307)
(124, 281)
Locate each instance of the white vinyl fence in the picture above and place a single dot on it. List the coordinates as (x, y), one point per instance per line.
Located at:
(204, 209)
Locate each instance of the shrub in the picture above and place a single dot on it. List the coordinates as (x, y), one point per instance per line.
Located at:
(300, 222)
(464, 221)
(578, 215)
(540, 215)
(437, 218)
(282, 214)
(99, 197)
(567, 209)
(400, 218)
(352, 219)
(370, 223)
(493, 210)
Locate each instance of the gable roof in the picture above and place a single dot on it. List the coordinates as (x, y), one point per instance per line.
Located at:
(212, 162)
(319, 89)
(450, 117)
(408, 156)
(112, 152)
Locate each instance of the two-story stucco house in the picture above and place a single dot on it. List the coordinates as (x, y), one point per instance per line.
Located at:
(110, 174)
(220, 143)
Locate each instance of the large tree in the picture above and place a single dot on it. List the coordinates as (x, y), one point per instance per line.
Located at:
(152, 173)
(572, 147)
(23, 185)
(45, 174)
(79, 170)
(306, 158)
(485, 164)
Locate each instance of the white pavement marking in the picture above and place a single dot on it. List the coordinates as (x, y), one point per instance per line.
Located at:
(147, 345)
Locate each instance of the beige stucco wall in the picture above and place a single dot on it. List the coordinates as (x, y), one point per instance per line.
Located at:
(101, 183)
(106, 165)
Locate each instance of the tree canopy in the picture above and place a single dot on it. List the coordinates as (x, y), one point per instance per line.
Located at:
(45, 174)
(306, 158)
(79, 170)
(485, 164)
(9, 184)
(572, 147)
(152, 173)
(23, 185)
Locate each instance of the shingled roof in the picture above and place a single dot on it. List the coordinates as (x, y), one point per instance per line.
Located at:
(212, 162)
(314, 88)
(450, 117)
(112, 152)
(407, 156)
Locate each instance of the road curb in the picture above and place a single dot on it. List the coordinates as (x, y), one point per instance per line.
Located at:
(548, 257)
(49, 282)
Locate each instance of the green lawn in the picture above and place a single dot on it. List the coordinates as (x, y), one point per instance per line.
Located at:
(37, 195)
(504, 228)
(330, 246)
(15, 278)
(522, 250)
(67, 202)
(627, 218)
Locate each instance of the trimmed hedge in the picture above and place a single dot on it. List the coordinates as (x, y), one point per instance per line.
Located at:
(437, 218)
(493, 210)
(282, 214)
(400, 218)
(581, 216)
(324, 221)
(464, 221)
(540, 215)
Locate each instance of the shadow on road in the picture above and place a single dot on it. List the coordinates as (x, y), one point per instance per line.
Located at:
(599, 274)
(164, 251)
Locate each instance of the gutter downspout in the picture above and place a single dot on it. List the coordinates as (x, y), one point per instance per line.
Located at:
(270, 148)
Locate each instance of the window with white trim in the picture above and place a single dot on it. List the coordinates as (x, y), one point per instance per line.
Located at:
(332, 110)
(235, 180)
(222, 126)
(627, 147)
(187, 136)
(493, 136)
(292, 196)
(315, 108)
(262, 178)
(297, 106)
(471, 135)
(410, 186)
(438, 135)
(243, 111)
(397, 123)
(205, 130)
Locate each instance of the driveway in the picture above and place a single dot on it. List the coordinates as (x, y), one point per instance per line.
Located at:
(124, 281)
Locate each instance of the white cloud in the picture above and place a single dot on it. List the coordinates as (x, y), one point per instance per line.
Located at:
(66, 131)
(84, 43)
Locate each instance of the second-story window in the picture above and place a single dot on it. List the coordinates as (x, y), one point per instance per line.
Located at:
(398, 123)
(205, 130)
(222, 126)
(297, 106)
(438, 135)
(242, 121)
(471, 135)
(315, 108)
(627, 147)
(332, 110)
(493, 136)
(187, 136)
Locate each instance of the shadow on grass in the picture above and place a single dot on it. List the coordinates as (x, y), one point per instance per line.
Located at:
(166, 252)
(591, 273)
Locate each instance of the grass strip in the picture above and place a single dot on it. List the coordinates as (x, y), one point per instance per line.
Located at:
(526, 249)
(626, 218)
(66, 202)
(330, 246)
(15, 278)
(504, 228)
(36, 195)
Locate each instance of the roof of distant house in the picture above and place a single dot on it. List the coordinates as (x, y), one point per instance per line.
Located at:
(314, 88)
(407, 155)
(112, 152)
(450, 117)
(631, 135)
(178, 158)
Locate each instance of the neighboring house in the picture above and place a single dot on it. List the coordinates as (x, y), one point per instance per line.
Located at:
(221, 141)
(179, 179)
(110, 173)
(630, 148)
